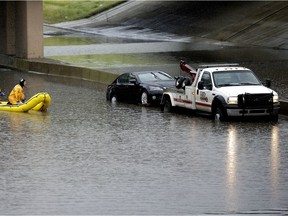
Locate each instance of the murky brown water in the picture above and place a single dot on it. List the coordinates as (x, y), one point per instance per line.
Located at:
(87, 156)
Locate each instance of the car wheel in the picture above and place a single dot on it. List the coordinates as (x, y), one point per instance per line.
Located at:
(220, 114)
(113, 98)
(144, 98)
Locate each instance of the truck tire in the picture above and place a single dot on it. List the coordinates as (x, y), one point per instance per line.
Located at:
(220, 114)
(179, 82)
(186, 82)
(167, 106)
(274, 118)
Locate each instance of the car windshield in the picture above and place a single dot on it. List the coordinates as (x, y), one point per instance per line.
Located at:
(235, 78)
(154, 76)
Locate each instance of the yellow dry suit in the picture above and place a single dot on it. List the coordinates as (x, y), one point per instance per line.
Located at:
(16, 95)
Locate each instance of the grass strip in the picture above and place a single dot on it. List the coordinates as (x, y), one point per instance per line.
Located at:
(62, 11)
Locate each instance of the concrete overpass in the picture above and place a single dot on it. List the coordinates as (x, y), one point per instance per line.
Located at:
(21, 29)
(257, 23)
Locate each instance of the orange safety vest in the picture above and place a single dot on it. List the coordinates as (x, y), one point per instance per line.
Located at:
(16, 95)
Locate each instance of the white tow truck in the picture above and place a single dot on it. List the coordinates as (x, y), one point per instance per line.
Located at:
(222, 91)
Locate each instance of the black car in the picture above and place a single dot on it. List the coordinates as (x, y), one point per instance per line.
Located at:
(145, 87)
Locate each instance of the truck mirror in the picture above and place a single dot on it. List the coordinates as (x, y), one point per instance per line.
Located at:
(209, 87)
(268, 83)
(200, 85)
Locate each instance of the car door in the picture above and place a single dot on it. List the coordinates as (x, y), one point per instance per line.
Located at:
(127, 88)
(204, 95)
(133, 88)
(122, 87)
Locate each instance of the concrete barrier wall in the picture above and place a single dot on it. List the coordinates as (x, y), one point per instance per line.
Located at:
(51, 67)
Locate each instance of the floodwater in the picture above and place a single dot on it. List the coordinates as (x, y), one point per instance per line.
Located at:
(86, 156)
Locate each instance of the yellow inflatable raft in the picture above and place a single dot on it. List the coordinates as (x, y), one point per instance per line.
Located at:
(39, 102)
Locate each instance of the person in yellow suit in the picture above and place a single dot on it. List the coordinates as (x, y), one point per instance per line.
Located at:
(17, 95)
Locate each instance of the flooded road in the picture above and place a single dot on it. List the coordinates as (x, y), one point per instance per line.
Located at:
(87, 156)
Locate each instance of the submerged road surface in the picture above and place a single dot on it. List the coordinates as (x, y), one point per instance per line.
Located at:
(86, 156)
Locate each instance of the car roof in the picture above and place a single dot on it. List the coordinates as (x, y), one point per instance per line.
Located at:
(142, 72)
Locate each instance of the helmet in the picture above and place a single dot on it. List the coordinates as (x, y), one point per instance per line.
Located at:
(22, 82)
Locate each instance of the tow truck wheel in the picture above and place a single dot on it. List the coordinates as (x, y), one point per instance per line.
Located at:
(167, 107)
(274, 118)
(219, 114)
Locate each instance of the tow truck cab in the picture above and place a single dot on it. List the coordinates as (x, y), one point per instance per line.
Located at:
(223, 91)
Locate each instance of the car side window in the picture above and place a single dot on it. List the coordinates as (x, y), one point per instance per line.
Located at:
(131, 77)
(124, 78)
(207, 81)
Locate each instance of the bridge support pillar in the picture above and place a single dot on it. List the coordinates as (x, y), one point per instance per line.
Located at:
(21, 25)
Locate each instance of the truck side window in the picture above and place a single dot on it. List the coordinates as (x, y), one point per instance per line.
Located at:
(207, 81)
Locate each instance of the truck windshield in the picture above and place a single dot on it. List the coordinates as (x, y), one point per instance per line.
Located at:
(235, 78)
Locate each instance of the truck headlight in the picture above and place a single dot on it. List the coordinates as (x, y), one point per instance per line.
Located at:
(232, 100)
(275, 99)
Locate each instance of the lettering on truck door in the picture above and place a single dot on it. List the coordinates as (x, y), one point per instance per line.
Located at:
(204, 96)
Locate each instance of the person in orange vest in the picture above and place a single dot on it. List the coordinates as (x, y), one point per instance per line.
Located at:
(17, 95)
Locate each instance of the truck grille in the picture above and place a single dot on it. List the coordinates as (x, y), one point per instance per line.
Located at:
(255, 100)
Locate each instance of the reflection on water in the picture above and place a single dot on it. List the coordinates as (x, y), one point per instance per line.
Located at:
(87, 156)
(234, 171)
(275, 162)
(119, 63)
(232, 167)
(36, 122)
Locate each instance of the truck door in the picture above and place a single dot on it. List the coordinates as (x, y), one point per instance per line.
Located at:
(204, 95)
